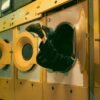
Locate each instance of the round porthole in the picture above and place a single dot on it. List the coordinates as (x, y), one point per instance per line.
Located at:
(25, 50)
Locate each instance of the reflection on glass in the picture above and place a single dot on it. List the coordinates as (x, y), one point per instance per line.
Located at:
(5, 5)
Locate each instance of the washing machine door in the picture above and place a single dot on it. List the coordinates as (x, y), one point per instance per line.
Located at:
(77, 17)
(4, 53)
(82, 40)
(25, 50)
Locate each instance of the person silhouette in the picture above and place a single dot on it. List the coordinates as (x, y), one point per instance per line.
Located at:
(56, 47)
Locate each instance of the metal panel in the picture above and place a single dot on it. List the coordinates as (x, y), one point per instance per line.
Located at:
(97, 93)
(6, 89)
(77, 16)
(64, 92)
(97, 42)
(91, 50)
(26, 90)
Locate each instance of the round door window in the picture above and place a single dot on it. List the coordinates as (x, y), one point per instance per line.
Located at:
(27, 51)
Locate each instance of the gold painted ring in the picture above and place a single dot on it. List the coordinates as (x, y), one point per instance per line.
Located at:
(20, 62)
(4, 53)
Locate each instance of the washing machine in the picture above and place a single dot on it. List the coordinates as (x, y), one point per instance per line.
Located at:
(28, 72)
(74, 80)
(6, 69)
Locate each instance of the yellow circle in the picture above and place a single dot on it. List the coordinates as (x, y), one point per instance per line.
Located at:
(20, 62)
(5, 50)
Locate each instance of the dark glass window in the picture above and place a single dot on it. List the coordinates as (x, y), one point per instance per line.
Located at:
(5, 5)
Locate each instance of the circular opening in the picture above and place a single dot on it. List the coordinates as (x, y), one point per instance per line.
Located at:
(64, 38)
(0, 53)
(27, 51)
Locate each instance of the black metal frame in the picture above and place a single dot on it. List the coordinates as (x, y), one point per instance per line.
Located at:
(91, 49)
